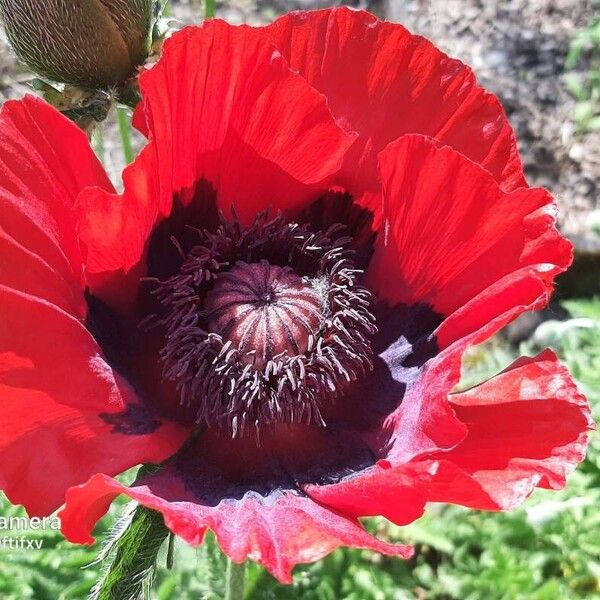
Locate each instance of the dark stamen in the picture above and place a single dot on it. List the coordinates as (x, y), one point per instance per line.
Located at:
(264, 325)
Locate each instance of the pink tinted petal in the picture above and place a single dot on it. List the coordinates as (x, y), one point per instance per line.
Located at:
(278, 531)
(527, 427)
(425, 420)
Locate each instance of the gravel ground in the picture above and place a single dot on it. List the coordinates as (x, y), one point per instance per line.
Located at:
(518, 50)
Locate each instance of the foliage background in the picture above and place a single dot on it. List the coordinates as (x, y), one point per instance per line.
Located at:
(547, 550)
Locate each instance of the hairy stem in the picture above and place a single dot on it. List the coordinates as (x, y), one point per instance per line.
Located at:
(132, 558)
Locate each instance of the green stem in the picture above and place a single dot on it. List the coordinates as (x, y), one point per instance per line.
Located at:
(125, 131)
(171, 551)
(98, 143)
(235, 581)
(210, 8)
(132, 557)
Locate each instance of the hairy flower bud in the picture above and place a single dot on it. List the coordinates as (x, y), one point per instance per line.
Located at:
(89, 43)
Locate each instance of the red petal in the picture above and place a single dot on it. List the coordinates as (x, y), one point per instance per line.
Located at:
(54, 382)
(478, 262)
(425, 420)
(222, 106)
(528, 427)
(138, 120)
(384, 82)
(54, 389)
(495, 307)
(278, 531)
(57, 151)
(398, 494)
(45, 161)
(451, 232)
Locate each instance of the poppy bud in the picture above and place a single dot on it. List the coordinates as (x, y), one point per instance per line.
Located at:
(88, 43)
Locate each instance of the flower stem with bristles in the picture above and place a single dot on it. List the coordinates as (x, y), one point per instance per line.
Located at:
(132, 558)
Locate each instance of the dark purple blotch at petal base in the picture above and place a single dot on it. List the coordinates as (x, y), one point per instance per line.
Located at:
(136, 420)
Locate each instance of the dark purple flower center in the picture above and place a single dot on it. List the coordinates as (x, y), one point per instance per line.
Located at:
(265, 324)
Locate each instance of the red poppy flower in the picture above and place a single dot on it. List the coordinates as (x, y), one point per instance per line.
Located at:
(328, 212)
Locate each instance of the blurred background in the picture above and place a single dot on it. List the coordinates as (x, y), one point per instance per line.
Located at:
(542, 57)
